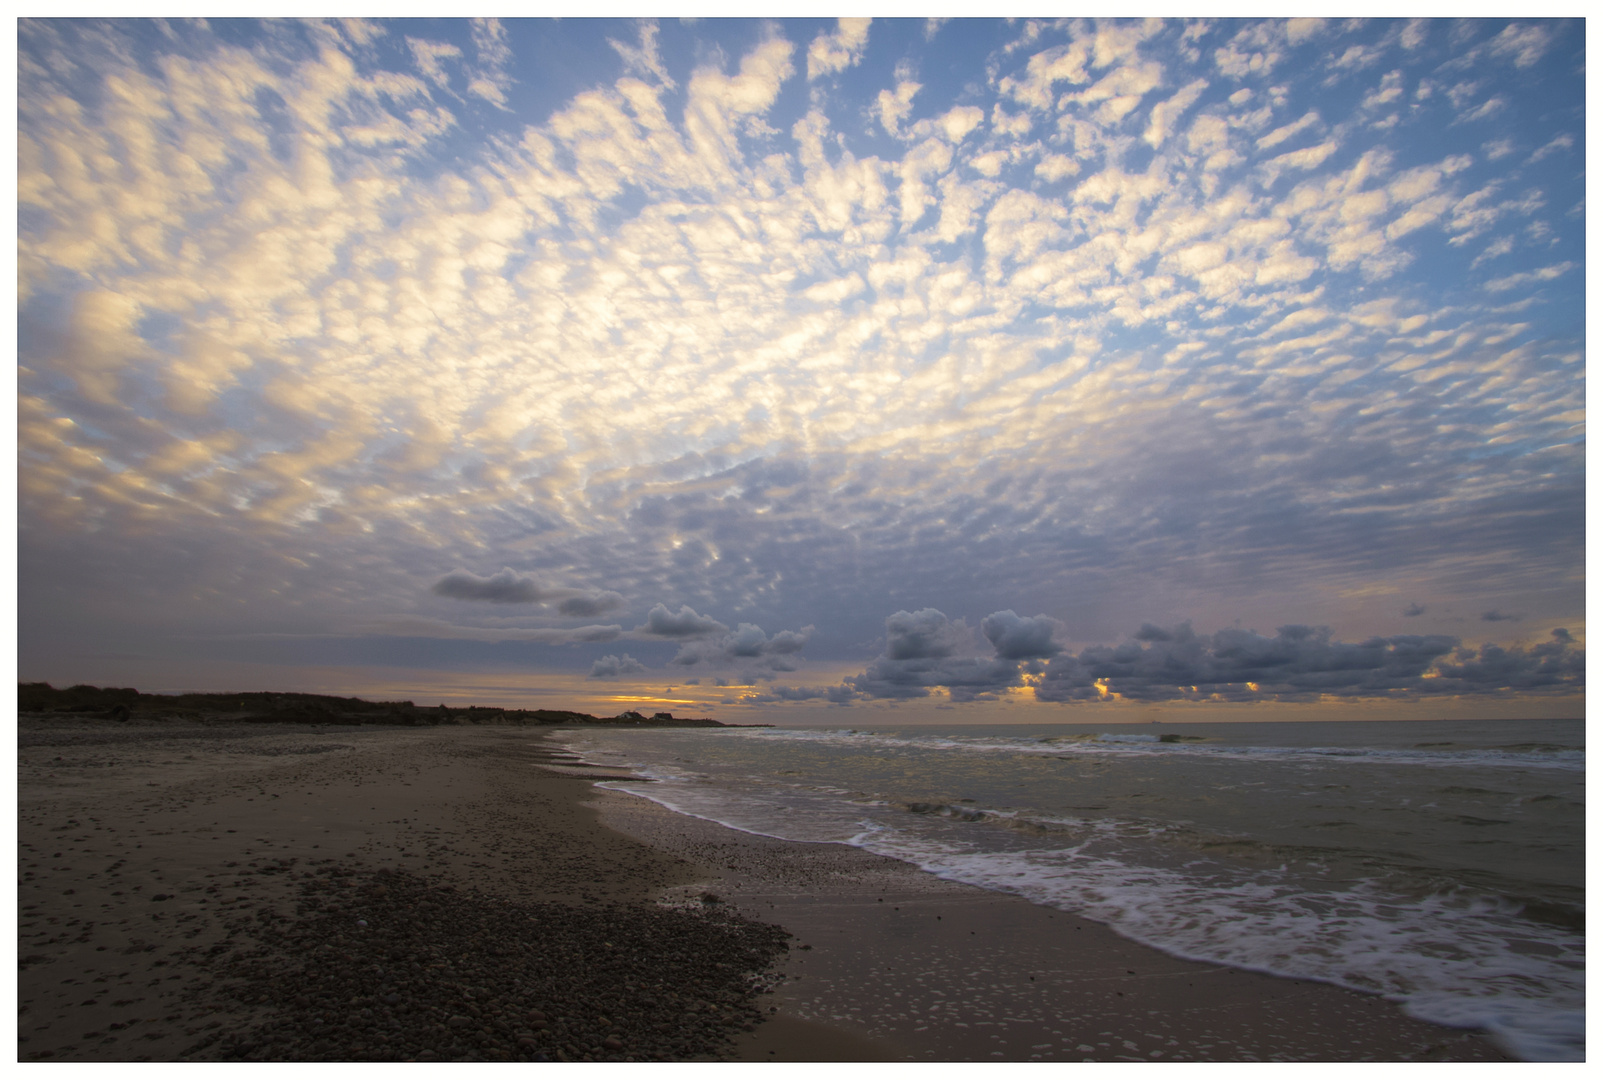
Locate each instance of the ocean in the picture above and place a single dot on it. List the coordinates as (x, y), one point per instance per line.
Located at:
(1438, 863)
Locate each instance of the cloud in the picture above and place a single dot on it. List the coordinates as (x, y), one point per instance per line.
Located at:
(1044, 70)
(748, 643)
(489, 79)
(509, 587)
(417, 626)
(289, 328)
(1555, 666)
(1497, 616)
(1165, 115)
(1302, 663)
(1489, 107)
(644, 59)
(1255, 50)
(921, 635)
(838, 695)
(1157, 664)
(1412, 610)
(958, 122)
(428, 54)
(1563, 141)
(896, 105)
(964, 678)
(919, 656)
(1523, 44)
(660, 622)
(503, 587)
(831, 53)
(611, 667)
(1281, 134)
(1514, 281)
(1016, 638)
(587, 605)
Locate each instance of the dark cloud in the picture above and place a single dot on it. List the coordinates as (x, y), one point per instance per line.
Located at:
(747, 643)
(965, 678)
(1302, 663)
(589, 605)
(509, 587)
(918, 657)
(420, 627)
(610, 667)
(1413, 609)
(505, 587)
(1498, 616)
(1016, 638)
(1554, 666)
(747, 640)
(660, 622)
(921, 635)
(595, 633)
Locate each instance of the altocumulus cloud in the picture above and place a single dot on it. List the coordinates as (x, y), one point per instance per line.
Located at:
(309, 313)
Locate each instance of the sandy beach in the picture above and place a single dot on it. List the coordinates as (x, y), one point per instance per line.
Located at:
(228, 891)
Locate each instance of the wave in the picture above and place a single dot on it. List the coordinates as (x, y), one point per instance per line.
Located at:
(1451, 957)
(1521, 755)
(1476, 950)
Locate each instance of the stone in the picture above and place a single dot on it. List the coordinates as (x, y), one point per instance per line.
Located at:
(477, 1005)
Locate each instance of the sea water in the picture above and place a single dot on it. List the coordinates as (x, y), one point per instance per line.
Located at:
(1439, 863)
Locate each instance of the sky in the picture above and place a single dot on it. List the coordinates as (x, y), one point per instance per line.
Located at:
(808, 370)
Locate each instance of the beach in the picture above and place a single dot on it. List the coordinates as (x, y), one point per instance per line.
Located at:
(184, 885)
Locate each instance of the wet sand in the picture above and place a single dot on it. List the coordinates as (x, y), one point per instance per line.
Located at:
(144, 845)
(934, 970)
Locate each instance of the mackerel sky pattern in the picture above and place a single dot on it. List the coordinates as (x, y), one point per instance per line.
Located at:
(813, 362)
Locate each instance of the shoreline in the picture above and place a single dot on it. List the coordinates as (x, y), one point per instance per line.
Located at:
(936, 970)
(172, 837)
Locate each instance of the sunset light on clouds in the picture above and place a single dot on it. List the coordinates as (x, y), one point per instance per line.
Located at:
(1023, 369)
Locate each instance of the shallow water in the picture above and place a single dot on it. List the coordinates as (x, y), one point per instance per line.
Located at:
(1440, 863)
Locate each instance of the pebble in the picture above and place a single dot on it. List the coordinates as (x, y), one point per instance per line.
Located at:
(450, 974)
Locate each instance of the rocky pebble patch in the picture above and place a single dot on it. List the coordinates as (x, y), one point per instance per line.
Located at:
(388, 966)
